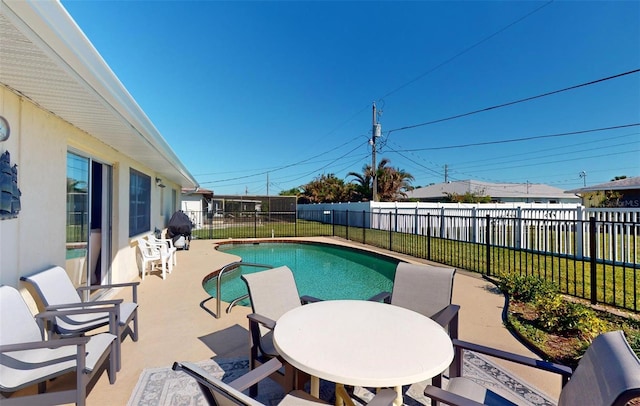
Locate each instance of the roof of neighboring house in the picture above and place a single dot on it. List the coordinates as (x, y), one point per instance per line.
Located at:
(46, 58)
(622, 184)
(495, 190)
(197, 191)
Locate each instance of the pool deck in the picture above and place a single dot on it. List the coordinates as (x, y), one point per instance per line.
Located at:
(173, 327)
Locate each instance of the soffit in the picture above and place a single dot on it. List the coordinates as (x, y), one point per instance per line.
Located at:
(47, 59)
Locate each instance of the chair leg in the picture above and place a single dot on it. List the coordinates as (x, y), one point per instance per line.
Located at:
(113, 364)
(135, 326)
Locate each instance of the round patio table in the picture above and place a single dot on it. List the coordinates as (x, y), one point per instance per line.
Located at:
(362, 343)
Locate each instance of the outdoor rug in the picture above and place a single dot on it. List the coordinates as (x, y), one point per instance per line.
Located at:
(165, 387)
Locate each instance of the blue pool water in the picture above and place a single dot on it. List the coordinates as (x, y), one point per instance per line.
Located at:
(325, 271)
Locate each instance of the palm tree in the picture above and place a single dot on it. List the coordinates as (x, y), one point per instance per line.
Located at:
(391, 183)
(364, 183)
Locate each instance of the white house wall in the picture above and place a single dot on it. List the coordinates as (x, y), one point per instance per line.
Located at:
(36, 239)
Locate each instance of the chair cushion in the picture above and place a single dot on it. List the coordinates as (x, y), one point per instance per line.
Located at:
(16, 321)
(471, 390)
(300, 398)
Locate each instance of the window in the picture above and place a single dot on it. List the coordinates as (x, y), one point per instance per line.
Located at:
(139, 203)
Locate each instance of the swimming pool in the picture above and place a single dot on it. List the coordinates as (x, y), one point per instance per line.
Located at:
(322, 270)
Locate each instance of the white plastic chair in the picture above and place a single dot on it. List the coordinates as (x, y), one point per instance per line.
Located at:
(151, 256)
(167, 250)
(26, 359)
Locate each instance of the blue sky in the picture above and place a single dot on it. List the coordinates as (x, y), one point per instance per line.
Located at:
(261, 96)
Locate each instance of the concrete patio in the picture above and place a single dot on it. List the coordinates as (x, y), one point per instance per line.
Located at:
(173, 326)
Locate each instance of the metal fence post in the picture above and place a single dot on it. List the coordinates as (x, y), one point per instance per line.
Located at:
(593, 260)
(487, 243)
(429, 236)
(347, 224)
(390, 231)
(255, 224)
(364, 221)
(333, 223)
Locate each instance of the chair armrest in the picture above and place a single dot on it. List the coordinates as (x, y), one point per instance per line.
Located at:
(51, 313)
(563, 370)
(309, 299)
(112, 285)
(87, 305)
(381, 297)
(256, 375)
(449, 398)
(55, 343)
(259, 319)
(446, 315)
(133, 285)
(166, 241)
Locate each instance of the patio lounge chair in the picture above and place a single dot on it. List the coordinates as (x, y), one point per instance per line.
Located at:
(607, 375)
(272, 292)
(217, 392)
(26, 359)
(57, 292)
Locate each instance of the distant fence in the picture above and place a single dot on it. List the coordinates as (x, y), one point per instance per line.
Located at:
(595, 257)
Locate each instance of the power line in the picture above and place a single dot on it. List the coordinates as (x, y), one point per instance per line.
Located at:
(286, 166)
(537, 137)
(515, 102)
(464, 51)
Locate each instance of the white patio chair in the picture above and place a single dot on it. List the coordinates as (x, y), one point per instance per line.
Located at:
(220, 393)
(607, 375)
(167, 250)
(26, 359)
(56, 291)
(151, 256)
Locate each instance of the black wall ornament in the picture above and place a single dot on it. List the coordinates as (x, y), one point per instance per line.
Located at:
(9, 191)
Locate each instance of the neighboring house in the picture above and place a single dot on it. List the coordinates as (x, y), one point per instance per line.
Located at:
(93, 173)
(197, 203)
(626, 193)
(499, 192)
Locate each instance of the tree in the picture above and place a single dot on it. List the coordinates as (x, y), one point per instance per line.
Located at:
(363, 183)
(392, 183)
(296, 191)
(468, 197)
(326, 189)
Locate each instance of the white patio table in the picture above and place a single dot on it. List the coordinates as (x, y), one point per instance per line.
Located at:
(362, 343)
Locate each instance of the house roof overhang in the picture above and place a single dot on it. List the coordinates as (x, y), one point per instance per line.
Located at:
(46, 58)
(621, 184)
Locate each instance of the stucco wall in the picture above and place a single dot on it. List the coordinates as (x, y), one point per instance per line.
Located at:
(36, 239)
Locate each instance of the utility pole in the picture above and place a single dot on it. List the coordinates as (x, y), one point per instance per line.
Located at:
(583, 175)
(375, 132)
(446, 173)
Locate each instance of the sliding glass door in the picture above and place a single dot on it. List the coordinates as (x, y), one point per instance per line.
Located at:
(88, 226)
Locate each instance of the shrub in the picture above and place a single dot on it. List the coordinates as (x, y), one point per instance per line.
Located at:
(558, 316)
(526, 288)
